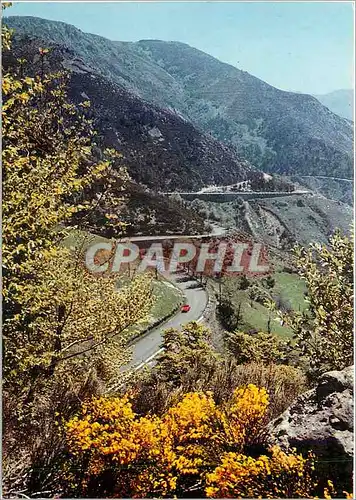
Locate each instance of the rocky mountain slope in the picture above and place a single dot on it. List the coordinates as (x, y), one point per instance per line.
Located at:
(334, 189)
(340, 102)
(165, 150)
(277, 131)
(160, 149)
(281, 222)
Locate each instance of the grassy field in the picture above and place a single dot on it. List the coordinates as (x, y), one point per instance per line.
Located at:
(288, 288)
(292, 287)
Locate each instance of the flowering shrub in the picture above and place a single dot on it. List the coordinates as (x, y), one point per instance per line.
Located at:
(196, 447)
(245, 412)
(278, 476)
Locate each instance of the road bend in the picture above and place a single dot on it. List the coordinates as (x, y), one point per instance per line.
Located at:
(147, 347)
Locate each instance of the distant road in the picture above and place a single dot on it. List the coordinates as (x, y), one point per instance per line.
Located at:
(216, 231)
(323, 177)
(242, 193)
(227, 196)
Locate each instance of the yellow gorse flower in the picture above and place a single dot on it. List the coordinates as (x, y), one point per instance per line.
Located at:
(189, 445)
(159, 455)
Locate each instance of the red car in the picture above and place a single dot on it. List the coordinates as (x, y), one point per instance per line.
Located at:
(185, 308)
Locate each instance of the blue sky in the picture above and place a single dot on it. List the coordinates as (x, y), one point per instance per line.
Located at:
(306, 47)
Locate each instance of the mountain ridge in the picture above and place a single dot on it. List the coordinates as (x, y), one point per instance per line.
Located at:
(162, 145)
(276, 130)
(161, 149)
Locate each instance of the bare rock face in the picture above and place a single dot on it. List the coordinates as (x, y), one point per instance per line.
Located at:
(321, 420)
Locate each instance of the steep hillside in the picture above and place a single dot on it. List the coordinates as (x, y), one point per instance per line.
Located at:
(340, 102)
(161, 149)
(334, 189)
(166, 151)
(281, 222)
(277, 131)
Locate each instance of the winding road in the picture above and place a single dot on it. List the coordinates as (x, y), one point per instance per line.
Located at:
(147, 347)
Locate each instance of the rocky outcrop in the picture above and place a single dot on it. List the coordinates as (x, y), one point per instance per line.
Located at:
(321, 420)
